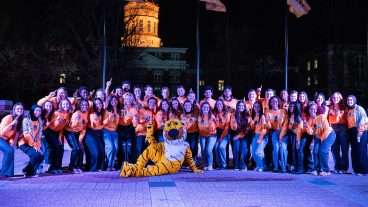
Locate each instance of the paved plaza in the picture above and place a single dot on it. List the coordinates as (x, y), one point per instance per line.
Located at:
(213, 188)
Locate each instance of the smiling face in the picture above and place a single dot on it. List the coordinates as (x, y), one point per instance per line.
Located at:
(180, 91)
(165, 105)
(240, 107)
(219, 105)
(187, 107)
(336, 98)
(84, 93)
(61, 94)
(257, 108)
(252, 96)
(350, 101)
(313, 111)
(98, 105)
(205, 108)
(65, 105)
(37, 112)
(84, 106)
(302, 98)
(48, 106)
(227, 93)
(18, 110)
(319, 100)
(274, 104)
(191, 97)
(207, 93)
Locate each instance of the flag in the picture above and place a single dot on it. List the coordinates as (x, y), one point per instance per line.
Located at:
(298, 7)
(215, 5)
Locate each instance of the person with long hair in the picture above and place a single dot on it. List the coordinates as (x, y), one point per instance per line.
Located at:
(9, 127)
(207, 134)
(229, 100)
(324, 137)
(139, 102)
(240, 124)
(100, 93)
(60, 118)
(30, 140)
(47, 111)
(140, 122)
(190, 122)
(192, 98)
(277, 122)
(260, 137)
(161, 117)
(322, 107)
(357, 131)
(55, 97)
(93, 141)
(284, 96)
(175, 108)
(125, 127)
(110, 121)
(337, 117)
(298, 139)
(303, 102)
(74, 134)
(222, 117)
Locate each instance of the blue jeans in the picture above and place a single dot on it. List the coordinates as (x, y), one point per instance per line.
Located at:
(340, 146)
(192, 139)
(45, 147)
(7, 167)
(282, 149)
(359, 159)
(95, 153)
(258, 151)
(77, 152)
(207, 144)
(35, 159)
(126, 135)
(56, 149)
(138, 147)
(320, 152)
(298, 154)
(220, 149)
(111, 146)
(240, 151)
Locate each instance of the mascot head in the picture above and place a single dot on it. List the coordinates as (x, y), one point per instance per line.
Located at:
(174, 132)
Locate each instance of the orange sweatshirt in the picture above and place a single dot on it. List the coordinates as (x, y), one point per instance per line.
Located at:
(110, 120)
(337, 116)
(319, 126)
(59, 120)
(223, 122)
(95, 121)
(141, 120)
(78, 123)
(181, 100)
(126, 116)
(231, 104)
(31, 134)
(277, 120)
(264, 103)
(207, 127)
(297, 128)
(211, 101)
(351, 119)
(190, 122)
(7, 130)
(249, 106)
(259, 126)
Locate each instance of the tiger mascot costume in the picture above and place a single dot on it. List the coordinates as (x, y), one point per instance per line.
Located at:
(167, 156)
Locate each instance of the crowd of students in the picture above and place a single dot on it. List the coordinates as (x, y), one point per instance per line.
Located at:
(286, 133)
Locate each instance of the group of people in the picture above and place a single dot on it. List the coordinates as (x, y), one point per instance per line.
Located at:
(286, 133)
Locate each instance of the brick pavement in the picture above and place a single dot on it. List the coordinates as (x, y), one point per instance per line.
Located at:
(213, 188)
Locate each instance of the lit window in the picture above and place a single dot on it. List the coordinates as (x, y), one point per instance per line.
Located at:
(149, 27)
(315, 64)
(140, 25)
(201, 82)
(154, 28)
(308, 65)
(78, 78)
(220, 85)
(315, 80)
(308, 81)
(62, 78)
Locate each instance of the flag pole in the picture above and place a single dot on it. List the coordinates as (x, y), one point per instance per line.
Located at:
(286, 45)
(198, 50)
(104, 49)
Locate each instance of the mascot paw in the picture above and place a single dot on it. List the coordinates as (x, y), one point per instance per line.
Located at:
(198, 171)
(125, 170)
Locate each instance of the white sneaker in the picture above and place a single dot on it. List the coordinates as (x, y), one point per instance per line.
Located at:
(209, 168)
(314, 172)
(205, 168)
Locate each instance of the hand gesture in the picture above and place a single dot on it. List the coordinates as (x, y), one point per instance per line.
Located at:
(53, 93)
(91, 93)
(108, 83)
(259, 89)
(75, 94)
